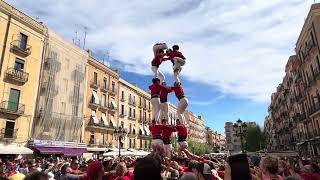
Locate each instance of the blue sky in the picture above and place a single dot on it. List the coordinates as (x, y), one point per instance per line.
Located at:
(236, 49)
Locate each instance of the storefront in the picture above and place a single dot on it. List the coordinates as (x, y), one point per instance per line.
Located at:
(58, 147)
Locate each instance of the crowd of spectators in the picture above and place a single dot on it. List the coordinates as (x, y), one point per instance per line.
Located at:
(185, 166)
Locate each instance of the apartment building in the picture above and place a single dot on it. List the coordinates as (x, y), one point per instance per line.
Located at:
(295, 106)
(21, 52)
(196, 127)
(101, 106)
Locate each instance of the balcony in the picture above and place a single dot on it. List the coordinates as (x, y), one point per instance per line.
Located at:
(104, 88)
(309, 49)
(131, 102)
(7, 133)
(113, 92)
(122, 115)
(12, 108)
(131, 134)
(17, 75)
(91, 124)
(123, 99)
(93, 105)
(112, 110)
(132, 118)
(316, 108)
(51, 63)
(103, 108)
(20, 48)
(94, 84)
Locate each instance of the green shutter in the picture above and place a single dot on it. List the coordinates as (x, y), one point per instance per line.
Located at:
(13, 100)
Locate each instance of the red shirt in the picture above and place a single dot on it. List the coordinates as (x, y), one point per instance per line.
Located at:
(164, 94)
(167, 132)
(157, 60)
(128, 176)
(182, 131)
(174, 54)
(156, 130)
(178, 91)
(155, 88)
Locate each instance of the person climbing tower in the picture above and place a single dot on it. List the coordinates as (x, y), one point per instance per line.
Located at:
(155, 98)
(183, 101)
(164, 91)
(155, 64)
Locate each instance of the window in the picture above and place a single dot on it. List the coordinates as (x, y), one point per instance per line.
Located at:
(318, 63)
(91, 137)
(95, 78)
(13, 103)
(235, 140)
(134, 113)
(19, 64)
(140, 114)
(23, 41)
(130, 112)
(145, 116)
(113, 87)
(134, 99)
(122, 109)
(312, 71)
(130, 143)
(130, 127)
(122, 124)
(103, 100)
(122, 94)
(140, 101)
(130, 98)
(9, 129)
(312, 37)
(104, 84)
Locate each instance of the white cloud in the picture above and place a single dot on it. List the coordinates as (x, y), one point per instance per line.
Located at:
(239, 46)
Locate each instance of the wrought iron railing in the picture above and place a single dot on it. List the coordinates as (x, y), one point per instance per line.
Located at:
(17, 75)
(12, 107)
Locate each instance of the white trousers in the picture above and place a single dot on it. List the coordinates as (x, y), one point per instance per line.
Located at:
(183, 145)
(157, 145)
(164, 111)
(157, 73)
(177, 67)
(182, 106)
(159, 46)
(167, 150)
(155, 109)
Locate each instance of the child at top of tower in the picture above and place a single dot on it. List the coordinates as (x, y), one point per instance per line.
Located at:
(155, 63)
(177, 59)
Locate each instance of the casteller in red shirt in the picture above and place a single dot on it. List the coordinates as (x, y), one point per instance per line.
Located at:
(155, 88)
(173, 54)
(164, 91)
(157, 60)
(156, 130)
(182, 132)
(167, 133)
(178, 90)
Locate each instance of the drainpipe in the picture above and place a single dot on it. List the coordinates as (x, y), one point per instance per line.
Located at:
(5, 42)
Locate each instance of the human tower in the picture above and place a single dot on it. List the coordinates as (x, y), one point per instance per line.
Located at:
(160, 129)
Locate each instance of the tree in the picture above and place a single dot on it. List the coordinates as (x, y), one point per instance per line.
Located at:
(199, 148)
(254, 139)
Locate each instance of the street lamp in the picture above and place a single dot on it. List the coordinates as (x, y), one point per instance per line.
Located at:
(240, 128)
(120, 132)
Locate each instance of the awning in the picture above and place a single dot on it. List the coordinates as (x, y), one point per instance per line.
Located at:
(104, 119)
(113, 121)
(95, 96)
(97, 149)
(147, 130)
(113, 104)
(94, 117)
(15, 149)
(62, 150)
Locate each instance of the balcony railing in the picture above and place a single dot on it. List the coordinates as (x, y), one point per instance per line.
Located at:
(22, 49)
(100, 125)
(94, 84)
(113, 92)
(8, 133)
(316, 108)
(17, 75)
(12, 108)
(132, 102)
(132, 118)
(104, 108)
(104, 88)
(93, 105)
(123, 114)
(112, 110)
(123, 98)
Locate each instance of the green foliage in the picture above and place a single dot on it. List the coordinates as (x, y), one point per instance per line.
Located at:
(254, 139)
(198, 148)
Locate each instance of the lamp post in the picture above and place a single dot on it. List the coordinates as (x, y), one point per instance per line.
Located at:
(240, 128)
(120, 132)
